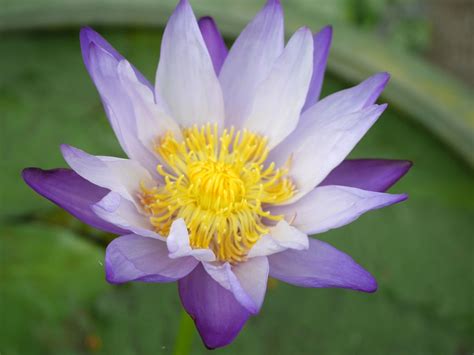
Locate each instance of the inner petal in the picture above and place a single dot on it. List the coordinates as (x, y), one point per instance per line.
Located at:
(221, 185)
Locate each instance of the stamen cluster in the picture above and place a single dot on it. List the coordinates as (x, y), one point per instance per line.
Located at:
(219, 184)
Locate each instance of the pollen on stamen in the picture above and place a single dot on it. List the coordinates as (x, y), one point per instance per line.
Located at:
(219, 184)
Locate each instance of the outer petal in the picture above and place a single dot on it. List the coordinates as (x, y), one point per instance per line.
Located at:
(250, 60)
(178, 244)
(322, 43)
(71, 192)
(320, 266)
(253, 276)
(350, 100)
(124, 214)
(246, 280)
(186, 78)
(316, 147)
(136, 258)
(102, 63)
(330, 207)
(281, 237)
(214, 42)
(368, 174)
(216, 312)
(279, 99)
(223, 274)
(120, 175)
(89, 36)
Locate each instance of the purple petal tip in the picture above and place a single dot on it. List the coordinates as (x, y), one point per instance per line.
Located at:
(86, 31)
(183, 3)
(66, 149)
(305, 29)
(274, 3)
(109, 273)
(207, 19)
(27, 174)
(386, 77)
(406, 165)
(326, 31)
(372, 285)
(401, 198)
(382, 78)
(382, 107)
(367, 282)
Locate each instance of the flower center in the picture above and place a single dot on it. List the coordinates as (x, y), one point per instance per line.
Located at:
(219, 184)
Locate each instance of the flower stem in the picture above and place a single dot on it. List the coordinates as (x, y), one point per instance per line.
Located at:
(185, 335)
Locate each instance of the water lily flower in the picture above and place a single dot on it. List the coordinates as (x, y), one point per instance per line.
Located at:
(233, 161)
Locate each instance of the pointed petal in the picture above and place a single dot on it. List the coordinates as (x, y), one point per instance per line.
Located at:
(246, 280)
(88, 36)
(214, 42)
(321, 43)
(186, 78)
(281, 237)
(152, 121)
(253, 277)
(321, 266)
(368, 174)
(135, 258)
(250, 60)
(330, 207)
(350, 100)
(124, 214)
(102, 63)
(316, 147)
(217, 314)
(279, 99)
(120, 175)
(178, 244)
(223, 274)
(71, 192)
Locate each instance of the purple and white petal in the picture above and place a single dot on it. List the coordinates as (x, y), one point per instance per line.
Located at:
(68, 190)
(214, 42)
(151, 120)
(279, 99)
(329, 207)
(317, 146)
(178, 244)
(119, 175)
(322, 43)
(246, 280)
(331, 109)
(185, 78)
(250, 61)
(215, 311)
(89, 36)
(320, 266)
(348, 101)
(281, 237)
(368, 174)
(136, 258)
(103, 68)
(124, 214)
(222, 273)
(253, 276)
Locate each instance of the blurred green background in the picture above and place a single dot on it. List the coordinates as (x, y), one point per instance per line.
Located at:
(53, 296)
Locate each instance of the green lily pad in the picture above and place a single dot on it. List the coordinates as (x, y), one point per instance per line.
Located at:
(49, 276)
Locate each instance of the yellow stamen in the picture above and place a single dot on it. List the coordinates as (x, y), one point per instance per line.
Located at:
(219, 185)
